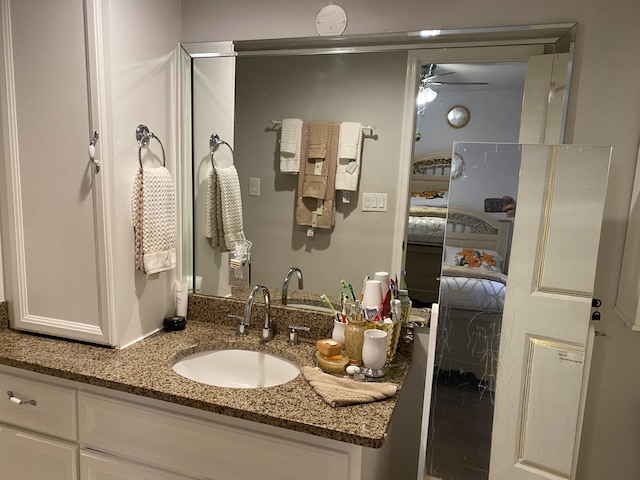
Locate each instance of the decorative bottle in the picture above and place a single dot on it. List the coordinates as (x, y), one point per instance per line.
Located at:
(405, 305)
(354, 334)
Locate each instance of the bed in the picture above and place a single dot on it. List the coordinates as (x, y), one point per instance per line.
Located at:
(473, 284)
(458, 257)
(426, 225)
(475, 260)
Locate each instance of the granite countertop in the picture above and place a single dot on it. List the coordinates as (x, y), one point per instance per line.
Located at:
(144, 368)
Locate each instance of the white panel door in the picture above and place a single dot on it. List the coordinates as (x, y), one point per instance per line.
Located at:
(27, 456)
(56, 240)
(544, 343)
(546, 93)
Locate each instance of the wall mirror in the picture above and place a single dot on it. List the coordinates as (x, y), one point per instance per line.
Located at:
(238, 89)
(472, 289)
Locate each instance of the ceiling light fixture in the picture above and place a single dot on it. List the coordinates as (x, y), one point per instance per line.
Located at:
(426, 95)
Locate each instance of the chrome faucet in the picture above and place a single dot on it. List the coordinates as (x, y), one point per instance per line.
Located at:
(266, 333)
(285, 283)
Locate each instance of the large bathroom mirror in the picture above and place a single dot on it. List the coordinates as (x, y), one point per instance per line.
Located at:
(241, 91)
(482, 206)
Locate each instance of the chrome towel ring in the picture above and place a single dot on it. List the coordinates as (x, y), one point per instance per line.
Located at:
(144, 136)
(214, 143)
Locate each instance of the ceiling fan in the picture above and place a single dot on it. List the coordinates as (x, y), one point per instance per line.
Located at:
(430, 78)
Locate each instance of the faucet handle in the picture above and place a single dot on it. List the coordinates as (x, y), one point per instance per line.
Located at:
(242, 331)
(293, 333)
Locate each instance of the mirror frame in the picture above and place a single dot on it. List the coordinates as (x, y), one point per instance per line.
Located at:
(553, 38)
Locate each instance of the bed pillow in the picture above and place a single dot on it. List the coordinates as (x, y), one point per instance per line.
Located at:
(473, 258)
(430, 198)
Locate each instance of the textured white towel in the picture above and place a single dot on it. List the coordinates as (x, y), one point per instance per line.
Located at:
(290, 136)
(339, 392)
(231, 205)
(154, 220)
(349, 156)
(215, 228)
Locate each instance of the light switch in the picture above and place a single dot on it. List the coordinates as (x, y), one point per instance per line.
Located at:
(374, 202)
(254, 187)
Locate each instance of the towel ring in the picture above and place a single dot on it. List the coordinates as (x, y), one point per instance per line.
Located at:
(144, 136)
(214, 143)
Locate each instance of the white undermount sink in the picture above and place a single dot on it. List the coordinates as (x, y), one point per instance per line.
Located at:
(237, 368)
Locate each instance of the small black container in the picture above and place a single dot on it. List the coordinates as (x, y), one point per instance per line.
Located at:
(174, 323)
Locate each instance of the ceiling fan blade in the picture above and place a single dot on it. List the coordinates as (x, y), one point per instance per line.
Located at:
(429, 78)
(457, 83)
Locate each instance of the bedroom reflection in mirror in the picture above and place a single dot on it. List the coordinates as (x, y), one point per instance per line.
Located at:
(472, 287)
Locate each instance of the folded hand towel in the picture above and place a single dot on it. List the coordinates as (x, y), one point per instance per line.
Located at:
(349, 156)
(339, 392)
(154, 220)
(318, 211)
(290, 138)
(316, 163)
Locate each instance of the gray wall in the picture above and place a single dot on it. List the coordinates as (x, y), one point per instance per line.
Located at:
(603, 110)
(495, 117)
(366, 88)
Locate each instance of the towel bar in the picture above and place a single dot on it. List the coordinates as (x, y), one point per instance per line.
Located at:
(144, 136)
(366, 128)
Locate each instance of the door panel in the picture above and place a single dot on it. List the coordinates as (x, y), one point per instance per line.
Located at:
(545, 326)
(545, 98)
(53, 195)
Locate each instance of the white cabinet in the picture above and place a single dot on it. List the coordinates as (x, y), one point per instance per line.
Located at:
(29, 456)
(69, 68)
(96, 466)
(37, 430)
(119, 436)
(202, 448)
(57, 241)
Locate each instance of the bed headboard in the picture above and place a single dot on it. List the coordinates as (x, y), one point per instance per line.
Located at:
(431, 171)
(473, 228)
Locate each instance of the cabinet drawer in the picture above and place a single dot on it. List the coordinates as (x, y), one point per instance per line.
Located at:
(29, 456)
(94, 466)
(200, 448)
(53, 414)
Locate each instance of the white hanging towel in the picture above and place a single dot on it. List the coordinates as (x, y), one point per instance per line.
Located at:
(154, 220)
(214, 226)
(290, 139)
(231, 206)
(349, 156)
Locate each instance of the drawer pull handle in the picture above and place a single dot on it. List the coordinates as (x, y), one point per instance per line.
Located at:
(17, 401)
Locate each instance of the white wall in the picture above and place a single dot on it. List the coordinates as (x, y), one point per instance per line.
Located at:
(142, 39)
(604, 85)
(1, 275)
(213, 106)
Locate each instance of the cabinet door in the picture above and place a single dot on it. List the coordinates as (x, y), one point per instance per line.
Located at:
(27, 456)
(94, 466)
(56, 239)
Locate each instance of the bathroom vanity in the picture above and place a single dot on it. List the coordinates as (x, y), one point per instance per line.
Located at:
(124, 414)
